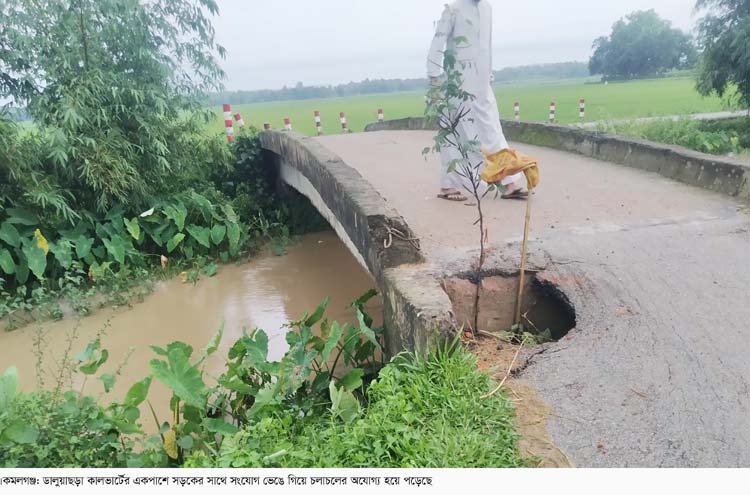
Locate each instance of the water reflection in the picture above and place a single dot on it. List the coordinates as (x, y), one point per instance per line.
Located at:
(266, 292)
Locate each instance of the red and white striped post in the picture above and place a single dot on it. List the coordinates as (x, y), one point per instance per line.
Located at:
(267, 126)
(239, 120)
(381, 116)
(228, 122)
(344, 127)
(582, 109)
(552, 112)
(517, 111)
(318, 124)
(288, 124)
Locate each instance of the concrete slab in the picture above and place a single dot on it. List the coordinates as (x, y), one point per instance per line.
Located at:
(577, 195)
(656, 371)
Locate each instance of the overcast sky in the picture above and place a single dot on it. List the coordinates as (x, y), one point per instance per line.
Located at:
(276, 42)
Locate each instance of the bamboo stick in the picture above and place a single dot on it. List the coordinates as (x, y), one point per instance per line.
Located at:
(522, 278)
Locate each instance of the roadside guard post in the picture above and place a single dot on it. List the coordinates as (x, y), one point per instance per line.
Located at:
(228, 122)
(344, 126)
(318, 124)
(239, 120)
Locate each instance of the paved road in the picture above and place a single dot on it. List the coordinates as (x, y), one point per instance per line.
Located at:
(656, 372)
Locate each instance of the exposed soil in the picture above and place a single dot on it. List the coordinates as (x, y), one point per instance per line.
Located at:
(495, 357)
(544, 306)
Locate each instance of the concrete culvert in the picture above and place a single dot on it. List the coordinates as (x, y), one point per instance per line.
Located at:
(545, 306)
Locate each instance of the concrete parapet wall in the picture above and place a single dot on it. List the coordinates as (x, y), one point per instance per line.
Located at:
(364, 215)
(724, 175)
(416, 310)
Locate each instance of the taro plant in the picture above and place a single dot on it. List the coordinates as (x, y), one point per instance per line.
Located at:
(341, 355)
(111, 250)
(325, 368)
(422, 411)
(325, 371)
(192, 428)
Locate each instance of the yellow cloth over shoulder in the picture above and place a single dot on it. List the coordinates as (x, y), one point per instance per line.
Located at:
(507, 162)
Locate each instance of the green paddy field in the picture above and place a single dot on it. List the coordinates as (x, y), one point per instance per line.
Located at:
(613, 101)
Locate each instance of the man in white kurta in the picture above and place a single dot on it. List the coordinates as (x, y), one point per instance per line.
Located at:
(472, 21)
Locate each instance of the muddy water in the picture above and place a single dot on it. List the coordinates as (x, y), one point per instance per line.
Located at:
(266, 293)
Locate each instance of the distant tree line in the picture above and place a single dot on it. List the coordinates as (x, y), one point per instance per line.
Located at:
(566, 70)
(302, 92)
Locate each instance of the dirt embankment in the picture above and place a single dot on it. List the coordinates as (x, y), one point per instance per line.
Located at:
(497, 358)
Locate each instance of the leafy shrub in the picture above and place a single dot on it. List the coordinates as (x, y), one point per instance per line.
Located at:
(328, 402)
(71, 432)
(252, 188)
(116, 170)
(56, 428)
(422, 412)
(718, 137)
(44, 249)
(114, 89)
(243, 179)
(739, 127)
(185, 225)
(306, 382)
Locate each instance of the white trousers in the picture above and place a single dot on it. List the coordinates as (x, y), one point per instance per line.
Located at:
(482, 123)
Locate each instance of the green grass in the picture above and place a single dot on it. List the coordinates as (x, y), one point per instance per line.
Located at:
(718, 137)
(645, 98)
(421, 413)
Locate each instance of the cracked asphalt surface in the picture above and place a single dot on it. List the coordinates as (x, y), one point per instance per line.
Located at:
(656, 373)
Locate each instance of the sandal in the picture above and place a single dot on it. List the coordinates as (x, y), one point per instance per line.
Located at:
(517, 194)
(452, 196)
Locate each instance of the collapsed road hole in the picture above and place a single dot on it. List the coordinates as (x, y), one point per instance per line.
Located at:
(545, 306)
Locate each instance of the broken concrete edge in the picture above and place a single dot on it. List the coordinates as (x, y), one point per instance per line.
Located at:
(427, 316)
(416, 311)
(415, 299)
(723, 175)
